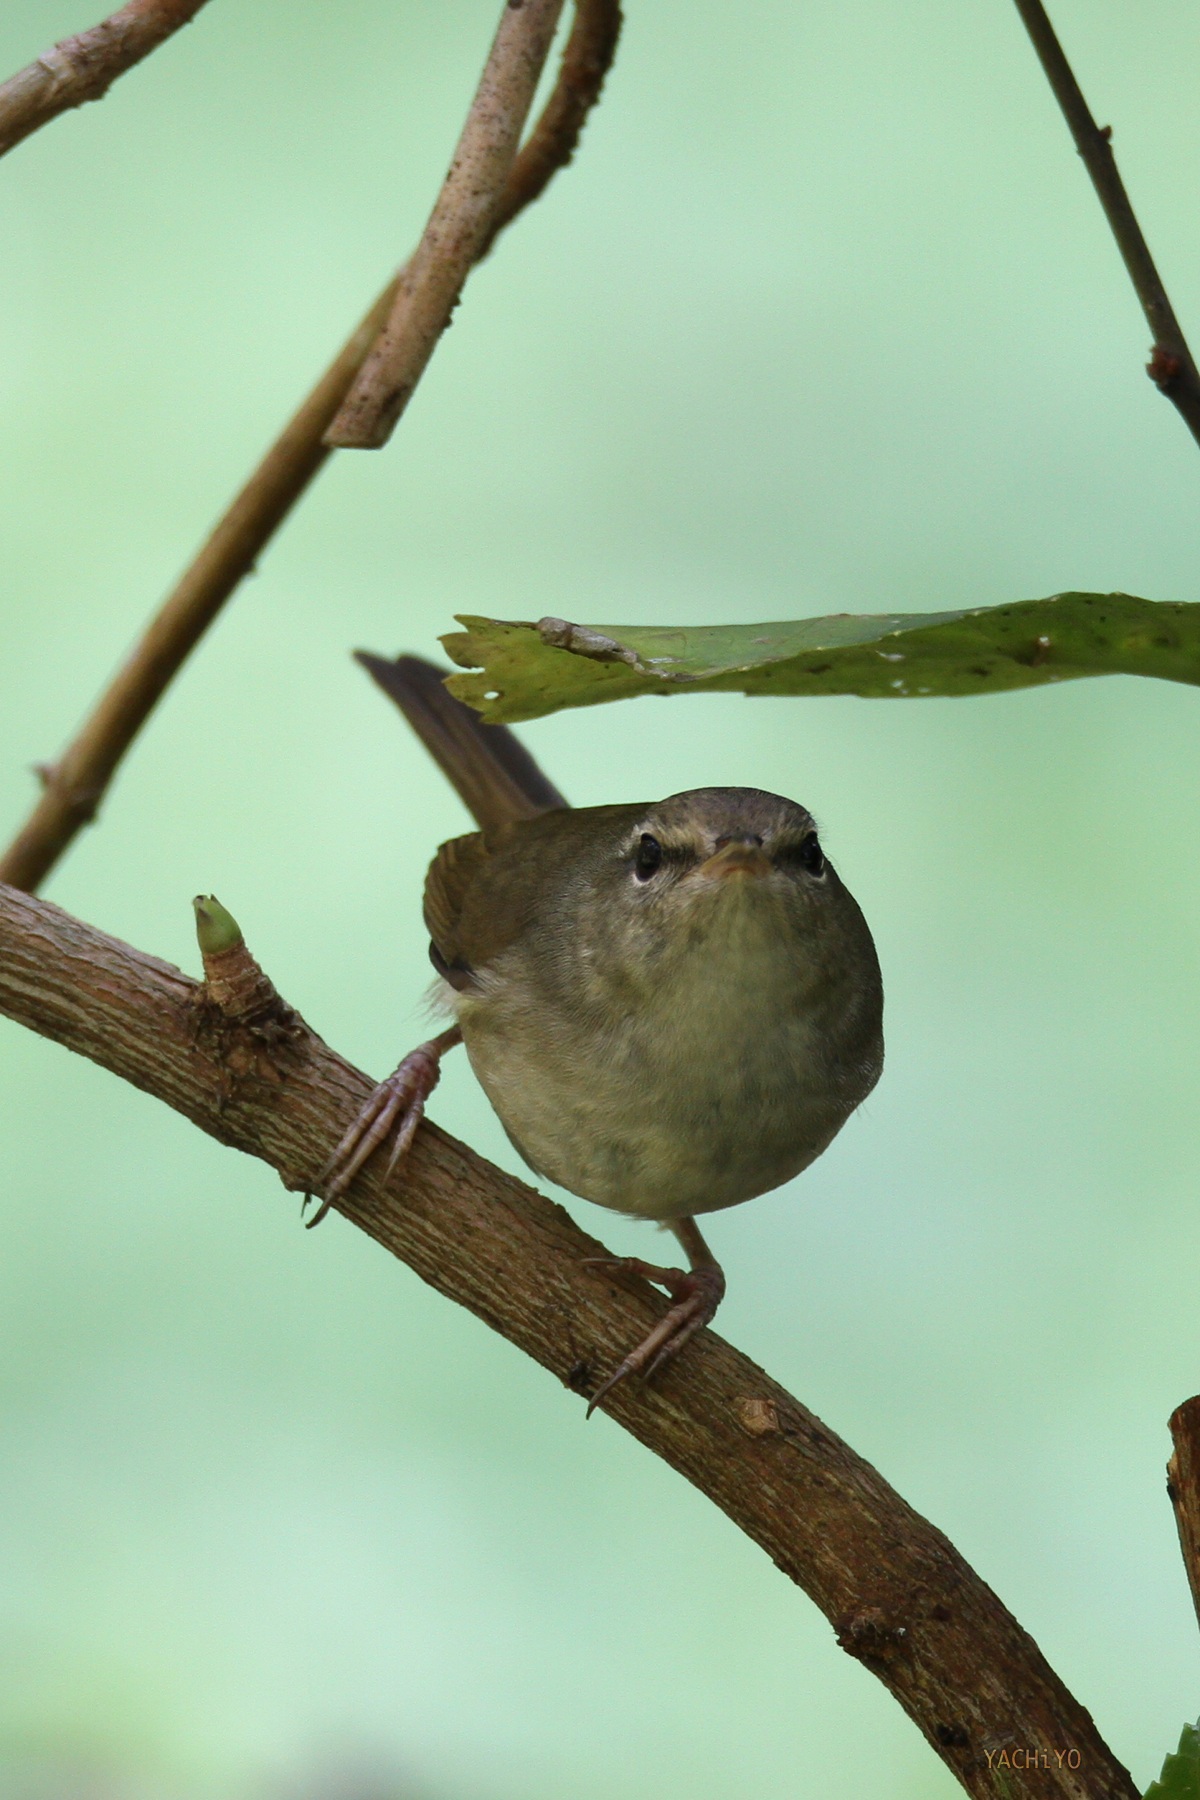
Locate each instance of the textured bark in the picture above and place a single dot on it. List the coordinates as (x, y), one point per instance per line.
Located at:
(586, 59)
(459, 228)
(1183, 1487)
(898, 1594)
(85, 66)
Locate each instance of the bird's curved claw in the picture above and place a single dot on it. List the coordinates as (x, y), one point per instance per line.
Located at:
(397, 1104)
(697, 1293)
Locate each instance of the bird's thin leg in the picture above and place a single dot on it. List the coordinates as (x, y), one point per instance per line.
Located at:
(697, 1293)
(397, 1104)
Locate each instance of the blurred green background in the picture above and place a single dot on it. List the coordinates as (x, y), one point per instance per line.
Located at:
(825, 317)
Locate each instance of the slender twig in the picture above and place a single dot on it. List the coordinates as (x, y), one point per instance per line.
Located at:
(458, 230)
(1171, 367)
(75, 785)
(586, 59)
(1183, 1486)
(900, 1597)
(85, 66)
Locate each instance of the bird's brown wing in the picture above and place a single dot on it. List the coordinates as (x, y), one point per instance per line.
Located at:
(456, 865)
(469, 912)
(486, 891)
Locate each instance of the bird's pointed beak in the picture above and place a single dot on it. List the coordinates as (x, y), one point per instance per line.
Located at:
(737, 856)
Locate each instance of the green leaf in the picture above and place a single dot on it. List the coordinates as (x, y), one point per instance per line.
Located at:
(1180, 1778)
(523, 670)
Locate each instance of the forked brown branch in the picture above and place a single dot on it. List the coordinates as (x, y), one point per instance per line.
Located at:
(586, 59)
(899, 1596)
(1171, 366)
(85, 66)
(75, 784)
(458, 231)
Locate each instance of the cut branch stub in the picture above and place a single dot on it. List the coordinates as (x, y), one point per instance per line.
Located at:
(235, 986)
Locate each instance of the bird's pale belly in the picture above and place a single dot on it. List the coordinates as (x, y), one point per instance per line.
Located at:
(671, 1111)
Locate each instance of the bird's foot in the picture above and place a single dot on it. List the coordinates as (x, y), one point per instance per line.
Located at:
(396, 1105)
(697, 1293)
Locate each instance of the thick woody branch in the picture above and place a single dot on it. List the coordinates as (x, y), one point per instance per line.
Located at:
(459, 227)
(1183, 1487)
(1171, 366)
(85, 66)
(74, 786)
(900, 1597)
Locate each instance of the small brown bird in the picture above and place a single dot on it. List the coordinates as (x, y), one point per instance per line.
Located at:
(672, 1007)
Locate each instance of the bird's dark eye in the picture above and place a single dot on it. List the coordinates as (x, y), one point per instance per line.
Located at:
(810, 856)
(649, 855)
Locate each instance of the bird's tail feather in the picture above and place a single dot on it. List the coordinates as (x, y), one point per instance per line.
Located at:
(493, 773)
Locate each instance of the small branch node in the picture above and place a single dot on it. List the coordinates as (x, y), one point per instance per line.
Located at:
(84, 67)
(759, 1417)
(1172, 367)
(870, 1635)
(58, 65)
(1164, 368)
